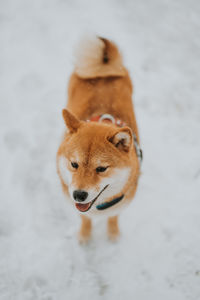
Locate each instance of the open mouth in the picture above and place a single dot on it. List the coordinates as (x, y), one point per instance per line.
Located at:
(83, 207)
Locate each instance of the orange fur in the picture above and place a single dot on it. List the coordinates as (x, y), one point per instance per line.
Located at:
(113, 228)
(85, 230)
(98, 87)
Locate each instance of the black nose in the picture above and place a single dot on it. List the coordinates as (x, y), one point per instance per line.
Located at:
(80, 195)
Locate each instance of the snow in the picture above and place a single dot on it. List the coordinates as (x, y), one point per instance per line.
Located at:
(158, 255)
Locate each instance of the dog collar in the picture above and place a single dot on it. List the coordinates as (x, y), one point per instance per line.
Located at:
(119, 123)
(109, 204)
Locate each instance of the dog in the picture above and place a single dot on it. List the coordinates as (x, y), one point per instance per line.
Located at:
(98, 160)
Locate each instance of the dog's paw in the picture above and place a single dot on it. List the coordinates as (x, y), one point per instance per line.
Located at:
(113, 236)
(83, 238)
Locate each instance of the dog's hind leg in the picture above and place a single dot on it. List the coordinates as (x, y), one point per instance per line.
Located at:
(113, 228)
(84, 234)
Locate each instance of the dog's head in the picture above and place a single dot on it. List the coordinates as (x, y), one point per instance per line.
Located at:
(96, 161)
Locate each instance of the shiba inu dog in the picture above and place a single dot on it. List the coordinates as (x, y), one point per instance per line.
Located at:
(98, 161)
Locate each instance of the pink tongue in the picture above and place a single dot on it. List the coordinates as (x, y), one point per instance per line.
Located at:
(82, 207)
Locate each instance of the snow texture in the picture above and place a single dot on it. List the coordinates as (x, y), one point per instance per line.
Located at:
(158, 255)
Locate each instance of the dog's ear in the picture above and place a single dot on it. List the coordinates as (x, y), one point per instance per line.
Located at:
(122, 139)
(71, 121)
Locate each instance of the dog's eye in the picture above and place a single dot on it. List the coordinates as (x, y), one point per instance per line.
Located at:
(101, 169)
(74, 165)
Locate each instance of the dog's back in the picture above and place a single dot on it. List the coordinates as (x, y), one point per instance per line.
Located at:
(100, 83)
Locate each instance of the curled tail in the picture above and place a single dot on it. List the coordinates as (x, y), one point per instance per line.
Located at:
(98, 57)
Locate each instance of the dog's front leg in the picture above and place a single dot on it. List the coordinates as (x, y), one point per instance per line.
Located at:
(113, 228)
(85, 231)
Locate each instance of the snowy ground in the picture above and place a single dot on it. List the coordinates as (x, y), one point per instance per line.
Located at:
(158, 256)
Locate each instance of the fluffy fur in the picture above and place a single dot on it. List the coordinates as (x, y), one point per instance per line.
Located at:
(100, 84)
(92, 52)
